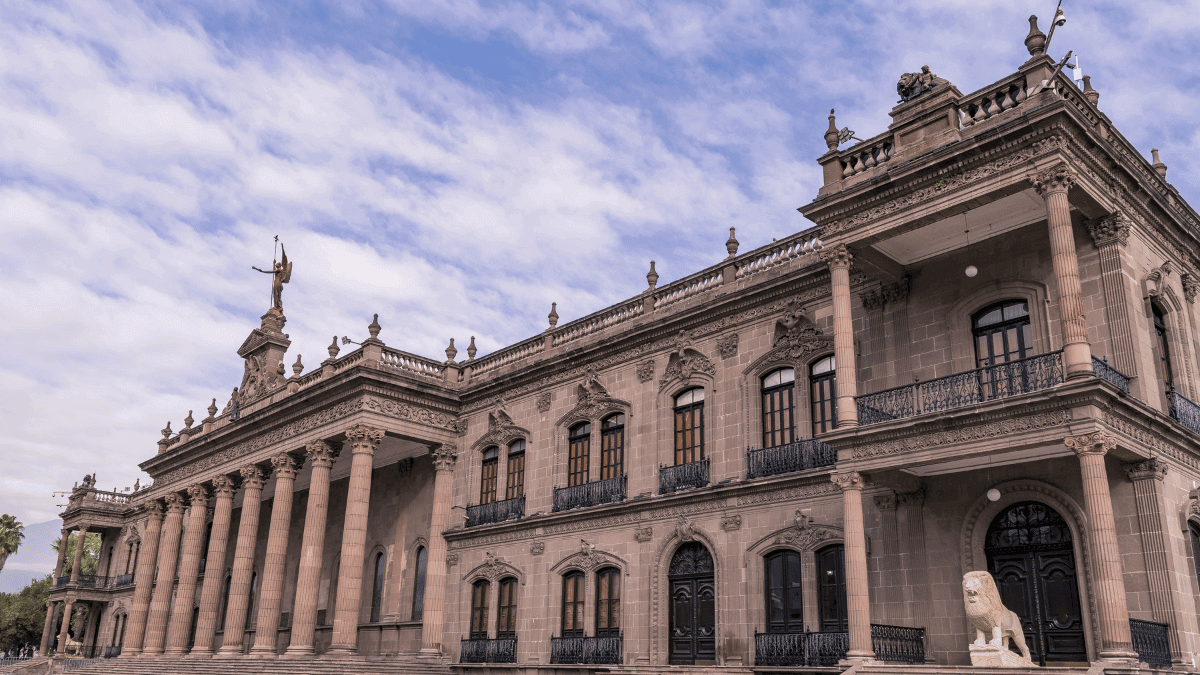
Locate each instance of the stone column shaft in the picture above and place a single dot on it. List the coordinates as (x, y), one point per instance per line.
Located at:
(63, 634)
(143, 578)
(271, 587)
(433, 616)
(838, 258)
(858, 598)
(62, 554)
(243, 562)
(362, 440)
(1053, 184)
(1147, 477)
(210, 591)
(79, 540)
(916, 587)
(304, 615)
(189, 570)
(1115, 641)
(889, 596)
(45, 644)
(160, 603)
(1110, 234)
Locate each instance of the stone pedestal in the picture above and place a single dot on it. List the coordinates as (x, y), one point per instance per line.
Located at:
(991, 656)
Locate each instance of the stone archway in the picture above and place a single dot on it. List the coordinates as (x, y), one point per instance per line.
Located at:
(692, 609)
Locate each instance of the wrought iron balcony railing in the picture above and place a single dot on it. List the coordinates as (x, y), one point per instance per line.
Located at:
(800, 456)
(1184, 411)
(962, 389)
(496, 512)
(607, 650)
(682, 477)
(1109, 374)
(499, 650)
(896, 644)
(1150, 642)
(62, 581)
(122, 580)
(90, 581)
(608, 491)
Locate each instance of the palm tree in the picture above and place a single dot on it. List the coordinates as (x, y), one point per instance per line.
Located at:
(11, 535)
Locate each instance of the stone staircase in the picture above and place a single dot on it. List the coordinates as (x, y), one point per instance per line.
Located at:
(247, 666)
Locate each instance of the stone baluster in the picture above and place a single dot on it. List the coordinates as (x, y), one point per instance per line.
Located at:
(78, 562)
(1110, 234)
(189, 570)
(839, 259)
(243, 561)
(362, 440)
(304, 615)
(1115, 641)
(858, 599)
(160, 603)
(1052, 184)
(444, 458)
(286, 467)
(218, 542)
(143, 582)
(1147, 477)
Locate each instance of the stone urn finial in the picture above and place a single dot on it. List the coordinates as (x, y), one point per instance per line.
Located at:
(471, 350)
(374, 328)
(334, 348)
(166, 432)
(187, 421)
(553, 315)
(731, 245)
(652, 276)
(1089, 93)
(297, 367)
(1158, 164)
(451, 352)
(212, 411)
(1035, 42)
(831, 135)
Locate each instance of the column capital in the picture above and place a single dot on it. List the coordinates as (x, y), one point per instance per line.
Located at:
(154, 509)
(849, 480)
(886, 502)
(1096, 443)
(912, 498)
(1146, 469)
(363, 439)
(321, 453)
(253, 477)
(837, 256)
(174, 502)
(1058, 178)
(444, 456)
(285, 465)
(224, 487)
(198, 495)
(1109, 230)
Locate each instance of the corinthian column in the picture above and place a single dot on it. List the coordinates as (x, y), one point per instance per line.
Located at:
(1110, 235)
(243, 562)
(160, 604)
(189, 569)
(1115, 642)
(143, 580)
(362, 440)
(218, 541)
(79, 541)
(1147, 477)
(858, 598)
(265, 637)
(304, 615)
(444, 459)
(838, 258)
(1053, 184)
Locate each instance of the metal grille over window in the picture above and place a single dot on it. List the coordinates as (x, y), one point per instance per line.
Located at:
(823, 395)
(516, 470)
(689, 427)
(778, 408)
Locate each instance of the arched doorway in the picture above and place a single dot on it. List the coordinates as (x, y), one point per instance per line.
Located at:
(1030, 553)
(693, 638)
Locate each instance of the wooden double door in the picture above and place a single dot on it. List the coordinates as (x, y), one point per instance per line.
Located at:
(693, 615)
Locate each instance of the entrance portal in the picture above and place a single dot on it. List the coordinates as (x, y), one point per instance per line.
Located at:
(693, 638)
(1030, 554)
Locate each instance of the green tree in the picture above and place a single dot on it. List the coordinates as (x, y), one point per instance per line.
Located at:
(23, 615)
(91, 553)
(12, 534)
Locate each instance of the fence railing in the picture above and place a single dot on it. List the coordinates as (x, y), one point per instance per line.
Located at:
(989, 383)
(496, 512)
(608, 491)
(582, 649)
(411, 363)
(62, 581)
(90, 581)
(1109, 374)
(1150, 642)
(682, 477)
(899, 644)
(896, 644)
(1184, 411)
(499, 650)
(799, 456)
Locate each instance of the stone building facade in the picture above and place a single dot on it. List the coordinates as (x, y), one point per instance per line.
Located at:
(790, 458)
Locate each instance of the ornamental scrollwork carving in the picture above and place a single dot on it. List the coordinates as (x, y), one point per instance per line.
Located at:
(1096, 443)
(1146, 469)
(1112, 229)
(643, 534)
(444, 456)
(544, 401)
(837, 256)
(1059, 178)
(1190, 287)
(593, 401)
(806, 535)
(797, 339)
(727, 346)
(1156, 280)
(731, 523)
(501, 428)
(685, 361)
(645, 371)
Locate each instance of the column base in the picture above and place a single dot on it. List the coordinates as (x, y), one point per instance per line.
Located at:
(204, 654)
(175, 652)
(429, 654)
(341, 652)
(227, 653)
(853, 659)
(263, 653)
(299, 653)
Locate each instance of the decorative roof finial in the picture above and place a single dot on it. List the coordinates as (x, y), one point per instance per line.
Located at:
(333, 348)
(553, 315)
(166, 432)
(1035, 42)
(212, 412)
(652, 276)
(731, 244)
(471, 350)
(1089, 93)
(297, 367)
(831, 136)
(451, 352)
(1158, 164)
(374, 328)
(187, 421)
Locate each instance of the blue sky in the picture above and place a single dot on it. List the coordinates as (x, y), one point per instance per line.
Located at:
(453, 166)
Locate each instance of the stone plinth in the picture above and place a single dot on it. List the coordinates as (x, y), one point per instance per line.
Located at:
(991, 656)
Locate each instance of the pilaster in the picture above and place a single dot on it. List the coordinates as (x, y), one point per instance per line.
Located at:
(1110, 235)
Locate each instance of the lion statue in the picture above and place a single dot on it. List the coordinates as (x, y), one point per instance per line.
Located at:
(989, 616)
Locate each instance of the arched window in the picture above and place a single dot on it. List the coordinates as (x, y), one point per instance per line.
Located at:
(612, 446)
(506, 610)
(479, 609)
(1162, 351)
(778, 411)
(579, 454)
(418, 609)
(831, 587)
(516, 470)
(822, 380)
(377, 587)
(689, 426)
(608, 602)
(572, 605)
(785, 606)
(1002, 333)
(487, 484)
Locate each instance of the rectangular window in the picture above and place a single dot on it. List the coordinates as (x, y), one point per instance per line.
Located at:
(479, 610)
(689, 433)
(612, 447)
(572, 611)
(506, 618)
(487, 483)
(778, 414)
(579, 455)
(824, 401)
(516, 476)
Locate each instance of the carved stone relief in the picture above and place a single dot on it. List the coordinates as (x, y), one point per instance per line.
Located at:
(727, 346)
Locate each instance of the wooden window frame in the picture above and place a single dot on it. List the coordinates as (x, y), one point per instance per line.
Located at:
(820, 423)
(480, 590)
(778, 422)
(572, 624)
(514, 478)
(689, 418)
(579, 450)
(608, 579)
(489, 475)
(506, 612)
(612, 446)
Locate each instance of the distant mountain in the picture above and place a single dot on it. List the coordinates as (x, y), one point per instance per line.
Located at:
(12, 581)
(36, 555)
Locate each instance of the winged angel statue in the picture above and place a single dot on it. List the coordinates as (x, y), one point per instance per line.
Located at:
(282, 273)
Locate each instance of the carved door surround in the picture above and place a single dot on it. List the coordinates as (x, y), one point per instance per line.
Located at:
(593, 404)
(805, 537)
(685, 532)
